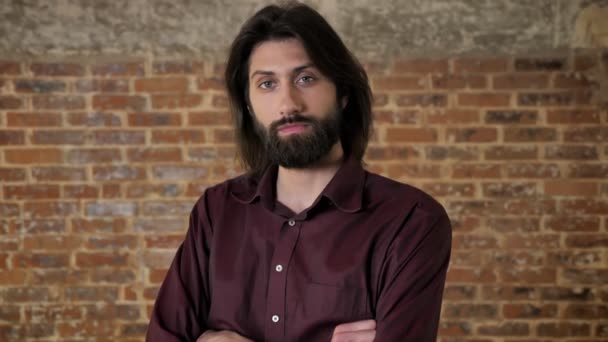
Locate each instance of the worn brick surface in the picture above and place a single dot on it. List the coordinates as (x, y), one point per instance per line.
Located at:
(101, 163)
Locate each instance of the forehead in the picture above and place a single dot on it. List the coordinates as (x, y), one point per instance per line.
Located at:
(278, 56)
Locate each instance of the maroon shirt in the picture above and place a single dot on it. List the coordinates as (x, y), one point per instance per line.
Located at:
(368, 248)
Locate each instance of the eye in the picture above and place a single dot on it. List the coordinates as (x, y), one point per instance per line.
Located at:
(266, 85)
(306, 79)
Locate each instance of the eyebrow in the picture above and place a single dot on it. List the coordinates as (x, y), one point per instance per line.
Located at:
(269, 73)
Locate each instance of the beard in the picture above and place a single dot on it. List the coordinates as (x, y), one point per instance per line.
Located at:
(300, 150)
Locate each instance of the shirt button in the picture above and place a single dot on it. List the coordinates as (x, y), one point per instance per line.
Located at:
(292, 223)
(279, 268)
(275, 318)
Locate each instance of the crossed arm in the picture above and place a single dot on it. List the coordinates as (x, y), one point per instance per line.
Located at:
(359, 331)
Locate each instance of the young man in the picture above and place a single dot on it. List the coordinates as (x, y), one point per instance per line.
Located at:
(307, 246)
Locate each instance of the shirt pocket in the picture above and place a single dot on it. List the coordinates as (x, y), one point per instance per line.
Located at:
(332, 303)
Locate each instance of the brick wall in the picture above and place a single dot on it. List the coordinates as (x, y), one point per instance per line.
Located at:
(101, 162)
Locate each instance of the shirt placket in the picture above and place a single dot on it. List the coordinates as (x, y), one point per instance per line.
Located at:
(277, 283)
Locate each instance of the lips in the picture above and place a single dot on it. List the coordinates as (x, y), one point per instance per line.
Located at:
(293, 128)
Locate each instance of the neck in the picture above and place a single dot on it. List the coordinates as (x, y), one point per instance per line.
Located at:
(299, 188)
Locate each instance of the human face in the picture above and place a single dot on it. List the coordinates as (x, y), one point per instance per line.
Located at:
(294, 104)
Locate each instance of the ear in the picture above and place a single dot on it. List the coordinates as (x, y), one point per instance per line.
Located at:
(344, 101)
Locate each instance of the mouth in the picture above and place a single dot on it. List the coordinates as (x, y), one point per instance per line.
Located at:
(292, 128)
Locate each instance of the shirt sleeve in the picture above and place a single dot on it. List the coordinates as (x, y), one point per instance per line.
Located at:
(182, 304)
(413, 278)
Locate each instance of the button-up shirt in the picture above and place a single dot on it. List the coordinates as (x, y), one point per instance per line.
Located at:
(367, 248)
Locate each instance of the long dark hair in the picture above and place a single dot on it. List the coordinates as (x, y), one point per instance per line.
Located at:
(329, 55)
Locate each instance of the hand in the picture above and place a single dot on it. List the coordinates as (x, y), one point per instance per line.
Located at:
(221, 336)
(359, 331)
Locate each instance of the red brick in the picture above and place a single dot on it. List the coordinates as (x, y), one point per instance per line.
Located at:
(475, 171)
(584, 258)
(555, 99)
(453, 116)
(476, 311)
(532, 170)
(65, 102)
(118, 69)
(586, 134)
(390, 117)
(528, 275)
(595, 276)
(532, 241)
(33, 156)
(113, 242)
(39, 86)
(512, 258)
(102, 86)
(459, 328)
(450, 189)
(419, 135)
(57, 69)
(425, 66)
(58, 137)
(50, 209)
(388, 83)
(172, 101)
(211, 83)
(511, 153)
(511, 117)
(598, 240)
(118, 172)
(93, 155)
(509, 292)
(80, 191)
(154, 119)
(571, 188)
(208, 118)
(573, 223)
(510, 189)
(153, 190)
(540, 64)
(388, 153)
(164, 241)
(413, 171)
(13, 277)
(10, 313)
(580, 170)
(156, 154)
(12, 137)
(119, 102)
(33, 119)
(459, 292)
(470, 275)
(101, 259)
(12, 174)
(563, 329)
(167, 207)
(529, 134)
(51, 242)
(586, 311)
(119, 137)
(421, 100)
(160, 225)
(573, 81)
(471, 134)
(223, 135)
(156, 276)
(219, 101)
(380, 100)
(43, 226)
(112, 190)
(571, 152)
(11, 102)
(38, 191)
(474, 241)
(463, 81)
(177, 67)
(94, 119)
(109, 225)
(162, 85)
(507, 225)
(573, 116)
(480, 65)
(58, 173)
(520, 81)
(28, 294)
(527, 207)
(41, 260)
(567, 294)
(484, 99)
(461, 153)
(519, 311)
(10, 68)
(585, 63)
(181, 136)
(52, 312)
(157, 258)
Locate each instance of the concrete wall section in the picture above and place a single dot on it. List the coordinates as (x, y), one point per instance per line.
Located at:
(373, 29)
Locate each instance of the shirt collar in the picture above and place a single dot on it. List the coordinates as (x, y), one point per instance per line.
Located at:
(345, 190)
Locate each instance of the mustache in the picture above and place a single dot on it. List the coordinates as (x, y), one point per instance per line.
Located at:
(291, 119)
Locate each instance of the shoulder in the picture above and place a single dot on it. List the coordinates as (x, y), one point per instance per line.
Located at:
(383, 191)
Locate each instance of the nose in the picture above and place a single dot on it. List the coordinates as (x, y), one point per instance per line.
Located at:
(290, 101)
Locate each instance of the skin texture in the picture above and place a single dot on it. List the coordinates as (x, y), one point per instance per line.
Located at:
(283, 81)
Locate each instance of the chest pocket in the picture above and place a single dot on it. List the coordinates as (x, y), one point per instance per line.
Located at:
(333, 304)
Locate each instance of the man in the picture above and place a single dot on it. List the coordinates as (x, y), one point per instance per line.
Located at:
(307, 246)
